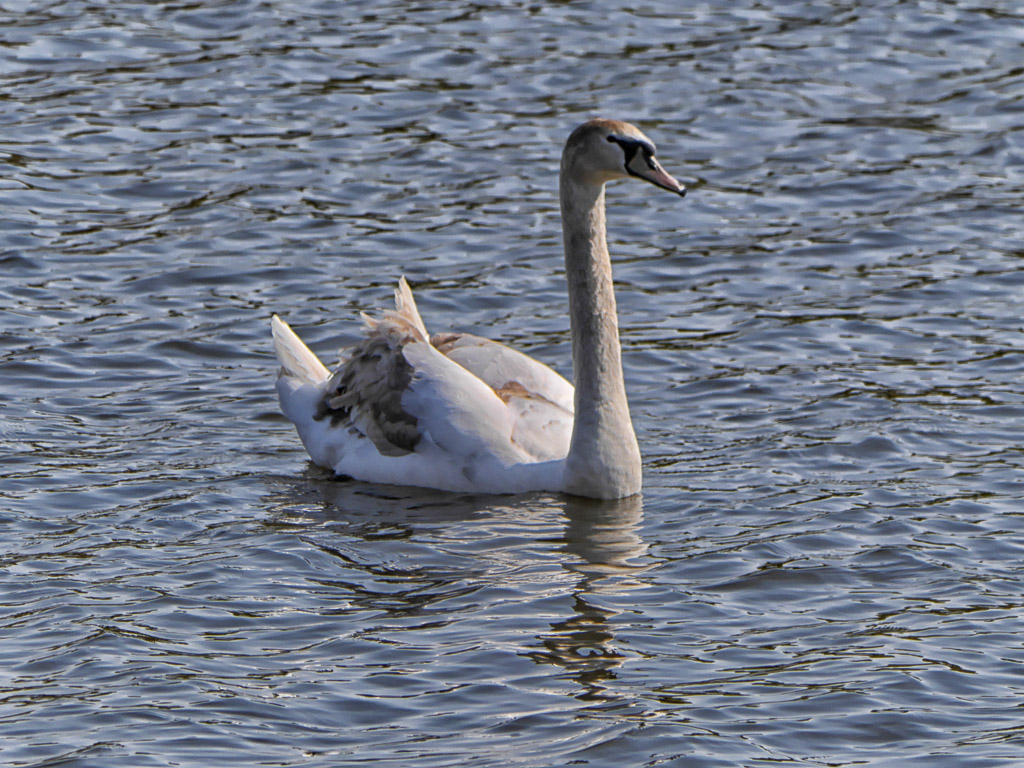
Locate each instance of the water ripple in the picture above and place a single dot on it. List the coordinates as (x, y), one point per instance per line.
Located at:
(822, 347)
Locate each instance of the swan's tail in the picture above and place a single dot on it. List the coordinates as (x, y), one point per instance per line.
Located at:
(404, 320)
(405, 305)
(296, 358)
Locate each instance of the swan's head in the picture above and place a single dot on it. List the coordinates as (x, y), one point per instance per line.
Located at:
(602, 150)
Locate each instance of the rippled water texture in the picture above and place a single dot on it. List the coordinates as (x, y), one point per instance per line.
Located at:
(824, 352)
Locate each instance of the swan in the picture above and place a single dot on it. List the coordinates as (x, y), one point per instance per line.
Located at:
(458, 412)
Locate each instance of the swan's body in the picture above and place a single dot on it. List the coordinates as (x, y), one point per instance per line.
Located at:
(458, 412)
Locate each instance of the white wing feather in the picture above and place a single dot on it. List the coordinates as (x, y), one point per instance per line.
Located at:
(498, 365)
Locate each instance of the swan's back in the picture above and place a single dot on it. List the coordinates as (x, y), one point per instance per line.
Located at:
(455, 412)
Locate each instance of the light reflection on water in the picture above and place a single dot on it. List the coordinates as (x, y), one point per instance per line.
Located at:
(823, 349)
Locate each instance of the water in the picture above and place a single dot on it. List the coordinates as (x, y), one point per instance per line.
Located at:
(824, 356)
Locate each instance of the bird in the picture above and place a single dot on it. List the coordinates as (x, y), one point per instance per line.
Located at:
(459, 412)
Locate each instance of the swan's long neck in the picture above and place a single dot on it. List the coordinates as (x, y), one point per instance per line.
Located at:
(604, 459)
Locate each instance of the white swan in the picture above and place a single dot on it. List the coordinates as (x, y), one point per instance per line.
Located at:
(459, 412)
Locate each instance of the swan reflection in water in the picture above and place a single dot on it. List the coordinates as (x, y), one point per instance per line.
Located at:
(425, 558)
(606, 552)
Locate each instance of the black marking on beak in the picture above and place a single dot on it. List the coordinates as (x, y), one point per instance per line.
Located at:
(630, 148)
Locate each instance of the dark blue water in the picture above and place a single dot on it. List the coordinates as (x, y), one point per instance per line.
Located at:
(824, 353)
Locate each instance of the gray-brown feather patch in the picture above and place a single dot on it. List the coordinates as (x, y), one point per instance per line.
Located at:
(366, 392)
(445, 342)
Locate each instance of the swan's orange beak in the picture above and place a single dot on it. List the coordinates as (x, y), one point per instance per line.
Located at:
(648, 168)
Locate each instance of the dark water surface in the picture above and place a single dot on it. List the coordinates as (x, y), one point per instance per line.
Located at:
(825, 357)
